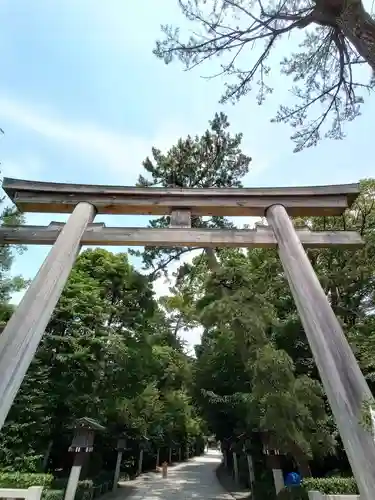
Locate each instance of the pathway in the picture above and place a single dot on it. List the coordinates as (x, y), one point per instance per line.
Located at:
(195, 479)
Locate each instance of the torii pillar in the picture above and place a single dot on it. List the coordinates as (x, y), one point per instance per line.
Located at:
(343, 381)
(21, 336)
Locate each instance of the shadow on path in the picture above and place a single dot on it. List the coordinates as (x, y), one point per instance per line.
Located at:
(229, 484)
(195, 479)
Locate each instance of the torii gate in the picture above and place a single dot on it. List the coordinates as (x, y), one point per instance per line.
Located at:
(345, 386)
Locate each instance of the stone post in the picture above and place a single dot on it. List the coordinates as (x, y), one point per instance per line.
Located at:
(225, 458)
(121, 445)
(74, 475)
(140, 461)
(278, 479)
(251, 473)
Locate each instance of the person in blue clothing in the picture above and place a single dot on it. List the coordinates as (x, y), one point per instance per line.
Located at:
(292, 479)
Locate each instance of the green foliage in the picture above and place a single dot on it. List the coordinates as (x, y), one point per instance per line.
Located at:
(86, 489)
(323, 65)
(331, 485)
(264, 486)
(61, 484)
(25, 463)
(9, 284)
(108, 353)
(53, 494)
(254, 369)
(365, 418)
(214, 159)
(241, 375)
(111, 350)
(24, 480)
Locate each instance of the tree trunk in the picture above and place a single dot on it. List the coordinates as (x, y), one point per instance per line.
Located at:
(301, 459)
(235, 468)
(47, 455)
(140, 462)
(157, 458)
(351, 18)
(250, 468)
(79, 460)
(359, 28)
(213, 263)
(225, 454)
(303, 465)
(116, 476)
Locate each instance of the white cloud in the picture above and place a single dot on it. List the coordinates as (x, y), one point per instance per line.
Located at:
(121, 153)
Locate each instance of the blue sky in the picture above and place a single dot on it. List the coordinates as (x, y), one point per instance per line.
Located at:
(83, 99)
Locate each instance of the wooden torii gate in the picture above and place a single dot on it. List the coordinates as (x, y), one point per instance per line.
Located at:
(345, 386)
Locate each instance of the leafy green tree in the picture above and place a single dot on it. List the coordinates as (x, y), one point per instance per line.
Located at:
(9, 284)
(213, 160)
(328, 85)
(108, 353)
(243, 380)
(255, 368)
(348, 276)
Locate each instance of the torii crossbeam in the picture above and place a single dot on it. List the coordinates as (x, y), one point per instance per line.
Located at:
(345, 386)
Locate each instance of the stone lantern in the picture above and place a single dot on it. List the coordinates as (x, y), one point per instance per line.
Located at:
(82, 443)
(144, 444)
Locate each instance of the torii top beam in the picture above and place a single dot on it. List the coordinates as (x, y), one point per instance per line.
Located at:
(51, 197)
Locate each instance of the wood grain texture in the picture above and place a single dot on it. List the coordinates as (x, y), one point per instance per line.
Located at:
(180, 219)
(22, 334)
(30, 196)
(344, 384)
(99, 235)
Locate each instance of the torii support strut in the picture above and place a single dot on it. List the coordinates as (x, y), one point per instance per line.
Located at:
(346, 388)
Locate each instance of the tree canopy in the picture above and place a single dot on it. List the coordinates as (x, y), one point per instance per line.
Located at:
(8, 284)
(214, 159)
(332, 41)
(254, 368)
(108, 353)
